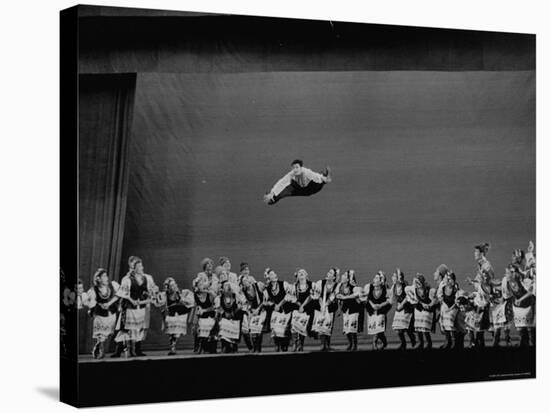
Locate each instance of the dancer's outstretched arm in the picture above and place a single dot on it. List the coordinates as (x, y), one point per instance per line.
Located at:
(279, 186)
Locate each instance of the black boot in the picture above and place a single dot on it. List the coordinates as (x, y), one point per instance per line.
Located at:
(428, 341)
(507, 338)
(173, 341)
(323, 339)
(523, 337)
(285, 342)
(327, 175)
(119, 350)
(131, 348)
(296, 341)
(212, 346)
(302, 341)
(329, 348)
(480, 339)
(448, 341)
(459, 340)
(139, 353)
(95, 350)
(403, 345)
(420, 342)
(472, 337)
(496, 338)
(412, 337)
(258, 343)
(249, 342)
(101, 353)
(383, 340)
(196, 343)
(350, 342)
(354, 348)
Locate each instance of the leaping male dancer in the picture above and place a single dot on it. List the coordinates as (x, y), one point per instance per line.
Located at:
(300, 181)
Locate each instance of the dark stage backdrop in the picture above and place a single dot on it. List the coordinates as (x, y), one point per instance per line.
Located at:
(426, 164)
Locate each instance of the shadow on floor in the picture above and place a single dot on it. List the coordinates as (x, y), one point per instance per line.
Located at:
(50, 392)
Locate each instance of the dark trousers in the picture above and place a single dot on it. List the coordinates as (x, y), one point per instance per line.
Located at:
(296, 190)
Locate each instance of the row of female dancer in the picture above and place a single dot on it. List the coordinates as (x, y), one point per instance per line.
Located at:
(223, 307)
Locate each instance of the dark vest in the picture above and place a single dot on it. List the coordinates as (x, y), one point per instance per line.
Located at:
(301, 296)
(276, 298)
(104, 299)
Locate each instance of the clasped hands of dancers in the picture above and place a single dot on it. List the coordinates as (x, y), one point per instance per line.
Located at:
(223, 307)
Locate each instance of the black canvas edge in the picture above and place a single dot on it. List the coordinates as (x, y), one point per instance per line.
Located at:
(68, 97)
(107, 383)
(93, 11)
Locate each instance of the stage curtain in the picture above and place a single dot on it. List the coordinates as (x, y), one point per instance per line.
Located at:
(105, 118)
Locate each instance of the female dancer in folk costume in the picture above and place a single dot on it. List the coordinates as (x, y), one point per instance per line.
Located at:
(251, 297)
(222, 276)
(478, 318)
(530, 281)
(244, 272)
(464, 303)
(326, 305)
(483, 264)
(442, 309)
(447, 288)
(155, 300)
(501, 312)
(378, 303)
(404, 311)
(278, 309)
(503, 328)
(64, 311)
(530, 261)
(449, 310)
(302, 317)
(523, 305)
(348, 294)
(519, 259)
(207, 274)
(103, 303)
(81, 295)
(440, 280)
(230, 317)
(524, 261)
(226, 265)
(154, 293)
(213, 286)
(136, 293)
(206, 327)
(177, 305)
(424, 299)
